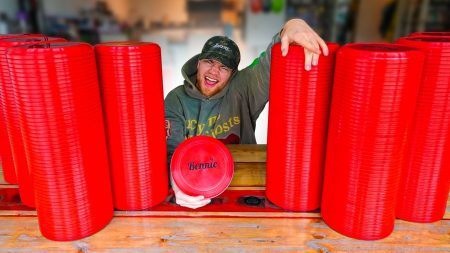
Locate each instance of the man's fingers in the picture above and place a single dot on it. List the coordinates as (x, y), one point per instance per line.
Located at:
(185, 200)
(315, 59)
(284, 45)
(315, 43)
(201, 203)
(299, 32)
(309, 42)
(308, 59)
(188, 198)
(323, 45)
(193, 205)
(312, 46)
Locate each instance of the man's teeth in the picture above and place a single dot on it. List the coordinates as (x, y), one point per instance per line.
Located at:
(210, 79)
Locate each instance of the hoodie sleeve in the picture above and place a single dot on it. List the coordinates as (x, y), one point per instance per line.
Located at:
(253, 81)
(175, 123)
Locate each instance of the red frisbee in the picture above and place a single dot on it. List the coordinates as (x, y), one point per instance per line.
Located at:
(202, 165)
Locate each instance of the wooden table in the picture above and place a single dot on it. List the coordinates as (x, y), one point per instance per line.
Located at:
(183, 230)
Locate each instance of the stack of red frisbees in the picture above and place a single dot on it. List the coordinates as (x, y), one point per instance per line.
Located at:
(203, 166)
(426, 176)
(132, 93)
(6, 158)
(11, 115)
(298, 120)
(62, 126)
(373, 101)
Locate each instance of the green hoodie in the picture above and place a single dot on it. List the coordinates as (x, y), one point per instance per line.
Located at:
(229, 115)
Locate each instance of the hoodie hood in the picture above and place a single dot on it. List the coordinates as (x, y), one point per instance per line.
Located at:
(189, 72)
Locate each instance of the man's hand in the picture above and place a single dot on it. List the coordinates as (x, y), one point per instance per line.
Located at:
(297, 31)
(185, 200)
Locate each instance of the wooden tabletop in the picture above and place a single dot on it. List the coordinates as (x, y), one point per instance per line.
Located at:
(172, 234)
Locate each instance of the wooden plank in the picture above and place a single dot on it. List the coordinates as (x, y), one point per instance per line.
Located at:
(143, 234)
(249, 174)
(447, 210)
(193, 213)
(7, 185)
(2, 179)
(248, 153)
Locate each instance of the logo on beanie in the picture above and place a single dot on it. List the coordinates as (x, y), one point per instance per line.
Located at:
(217, 45)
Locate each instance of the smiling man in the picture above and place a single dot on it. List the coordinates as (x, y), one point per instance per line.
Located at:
(220, 101)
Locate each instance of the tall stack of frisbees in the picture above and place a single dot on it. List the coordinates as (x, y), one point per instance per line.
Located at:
(82, 132)
(131, 84)
(58, 140)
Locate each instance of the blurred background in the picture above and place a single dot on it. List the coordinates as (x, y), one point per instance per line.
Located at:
(181, 27)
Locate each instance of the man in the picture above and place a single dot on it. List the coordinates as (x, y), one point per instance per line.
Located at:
(218, 100)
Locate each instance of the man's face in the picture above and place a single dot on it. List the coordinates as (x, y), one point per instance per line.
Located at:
(212, 76)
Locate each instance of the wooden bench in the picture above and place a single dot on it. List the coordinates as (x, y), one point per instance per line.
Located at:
(184, 230)
(249, 165)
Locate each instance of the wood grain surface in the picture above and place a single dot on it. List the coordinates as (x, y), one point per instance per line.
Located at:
(142, 234)
(248, 153)
(249, 174)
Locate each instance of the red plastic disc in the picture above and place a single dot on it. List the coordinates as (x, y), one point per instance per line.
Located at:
(202, 166)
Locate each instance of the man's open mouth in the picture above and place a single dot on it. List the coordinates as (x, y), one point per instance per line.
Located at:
(210, 82)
